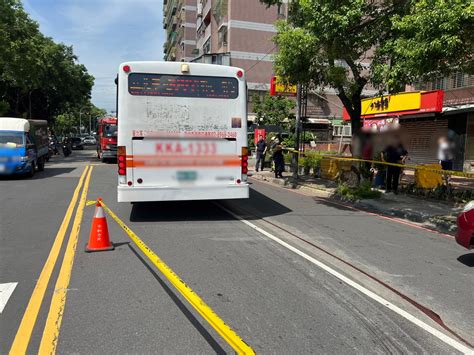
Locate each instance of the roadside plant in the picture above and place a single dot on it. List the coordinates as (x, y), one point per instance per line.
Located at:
(363, 191)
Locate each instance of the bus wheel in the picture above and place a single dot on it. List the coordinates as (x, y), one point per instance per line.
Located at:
(40, 164)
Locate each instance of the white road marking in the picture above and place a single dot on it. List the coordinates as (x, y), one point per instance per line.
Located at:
(6, 291)
(440, 335)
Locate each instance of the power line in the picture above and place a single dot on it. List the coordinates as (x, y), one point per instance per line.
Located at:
(259, 60)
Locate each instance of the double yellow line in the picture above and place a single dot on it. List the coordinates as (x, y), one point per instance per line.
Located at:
(50, 336)
(53, 322)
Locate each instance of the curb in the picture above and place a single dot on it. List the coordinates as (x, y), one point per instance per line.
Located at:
(430, 222)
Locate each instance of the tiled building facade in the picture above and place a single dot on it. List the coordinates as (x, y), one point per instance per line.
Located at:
(179, 22)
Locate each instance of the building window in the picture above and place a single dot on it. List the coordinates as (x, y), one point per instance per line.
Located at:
(222, 37)
(461, 80)
(440, 84)
(220, 10)
(340, 130)
(207, 47)
(281, 11)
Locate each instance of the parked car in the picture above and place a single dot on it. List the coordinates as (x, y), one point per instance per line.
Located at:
(77, 144)
(23, 145)
(89, 140)
(465, 232)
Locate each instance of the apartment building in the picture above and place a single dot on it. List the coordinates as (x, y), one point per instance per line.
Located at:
(179, 22)
(238, 33)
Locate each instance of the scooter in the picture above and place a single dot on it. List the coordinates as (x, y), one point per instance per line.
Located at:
(66, 148)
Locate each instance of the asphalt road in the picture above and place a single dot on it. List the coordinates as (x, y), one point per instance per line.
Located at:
(275, 299)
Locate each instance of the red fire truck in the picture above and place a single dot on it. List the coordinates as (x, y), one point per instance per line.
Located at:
(107, 138)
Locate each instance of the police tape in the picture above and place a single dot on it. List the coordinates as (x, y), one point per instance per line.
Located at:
(228, 334)
(412, 167)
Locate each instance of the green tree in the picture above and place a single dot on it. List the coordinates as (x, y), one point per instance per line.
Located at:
(38, 77)
(272, 109)
(325, 42)
(68, 121)
(65, 123)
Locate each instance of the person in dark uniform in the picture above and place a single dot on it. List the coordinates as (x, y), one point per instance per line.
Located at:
(261, 150)
(394, 153)
(272, 146)
(278, 159)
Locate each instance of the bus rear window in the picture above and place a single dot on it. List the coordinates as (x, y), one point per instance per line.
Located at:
(209, 87)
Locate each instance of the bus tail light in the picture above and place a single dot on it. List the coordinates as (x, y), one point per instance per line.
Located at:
(245, 163)
(122, 164)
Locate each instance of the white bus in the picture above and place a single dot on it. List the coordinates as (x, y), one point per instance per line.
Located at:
(182, 132)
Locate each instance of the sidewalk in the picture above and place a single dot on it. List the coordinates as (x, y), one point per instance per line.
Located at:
(456, 182)
(436, 215)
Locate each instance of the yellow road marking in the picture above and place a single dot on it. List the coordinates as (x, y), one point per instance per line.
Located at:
(23, 335)
(49, 341)
(229, 335)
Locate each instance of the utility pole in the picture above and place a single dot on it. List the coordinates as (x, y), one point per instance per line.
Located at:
(294, 161)
(80, 122)
(80, 119)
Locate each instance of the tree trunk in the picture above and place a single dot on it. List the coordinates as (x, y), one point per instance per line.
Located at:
(353, 106)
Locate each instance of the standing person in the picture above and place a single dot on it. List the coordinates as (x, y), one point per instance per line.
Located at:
(394, 153)
(278, 159)
(445, 153)
(261, 150)
(445, 156)
(368, 154)
(272, 147)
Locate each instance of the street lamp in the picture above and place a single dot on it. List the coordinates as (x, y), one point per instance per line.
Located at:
(80, 119)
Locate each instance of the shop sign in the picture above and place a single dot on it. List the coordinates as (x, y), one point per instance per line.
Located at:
(406, 103)
(279, 87)
(391, 103)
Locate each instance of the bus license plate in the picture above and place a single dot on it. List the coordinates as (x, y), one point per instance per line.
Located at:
(186, 175)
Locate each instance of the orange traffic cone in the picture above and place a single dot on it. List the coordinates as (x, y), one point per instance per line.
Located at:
(99, 237)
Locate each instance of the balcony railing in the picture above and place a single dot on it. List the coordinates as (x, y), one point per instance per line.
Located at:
(206, 9)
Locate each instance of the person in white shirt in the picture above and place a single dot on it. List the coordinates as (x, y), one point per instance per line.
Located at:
(445, 153)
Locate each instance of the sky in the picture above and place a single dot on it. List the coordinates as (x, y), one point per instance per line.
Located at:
(103, 33)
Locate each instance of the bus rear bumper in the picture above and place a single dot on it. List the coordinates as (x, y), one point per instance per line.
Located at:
(148, 194)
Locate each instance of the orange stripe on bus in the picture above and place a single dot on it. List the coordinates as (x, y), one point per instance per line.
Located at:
(181, 156)
(173, 163)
